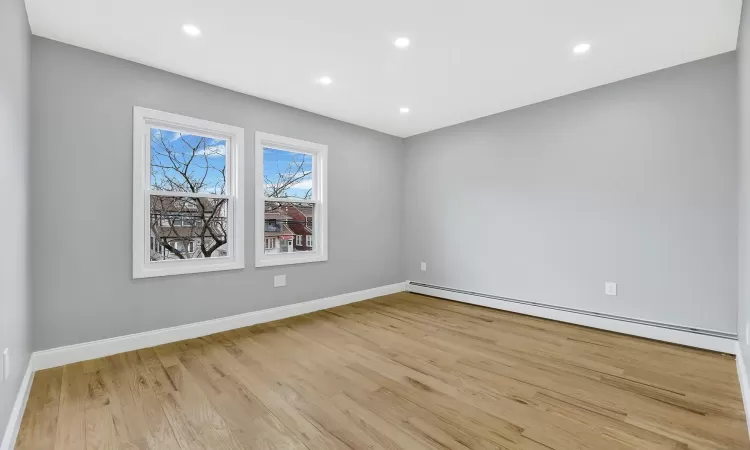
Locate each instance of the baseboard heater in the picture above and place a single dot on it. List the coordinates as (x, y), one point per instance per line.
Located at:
(414, 286)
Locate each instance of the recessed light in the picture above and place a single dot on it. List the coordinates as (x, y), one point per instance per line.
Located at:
(582, 48)
(403, 110)
(191, 30)
(401, 42)
(325, 81)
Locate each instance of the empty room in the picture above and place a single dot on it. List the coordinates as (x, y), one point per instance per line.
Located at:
(415, 224)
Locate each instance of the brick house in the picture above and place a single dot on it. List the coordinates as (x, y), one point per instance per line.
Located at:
(288, 228)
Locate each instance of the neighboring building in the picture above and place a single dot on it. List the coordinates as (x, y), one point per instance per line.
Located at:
(288, 228)
(278, 236)
(177, 224)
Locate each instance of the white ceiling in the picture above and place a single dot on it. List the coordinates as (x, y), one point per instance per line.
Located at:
(467, 59)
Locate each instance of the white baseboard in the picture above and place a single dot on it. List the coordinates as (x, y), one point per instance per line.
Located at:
(55, 357)
(16, 414)
(744, 384)
(708, 342)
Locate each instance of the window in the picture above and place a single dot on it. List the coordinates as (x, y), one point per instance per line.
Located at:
(308, 241)
(187, 193)
(270, 243)
(291, 194)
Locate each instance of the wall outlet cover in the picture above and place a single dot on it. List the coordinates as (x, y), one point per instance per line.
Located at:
(610, 288)
(423, 266)
(279, 280)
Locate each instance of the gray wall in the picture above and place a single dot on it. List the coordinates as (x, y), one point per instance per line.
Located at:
(15, 39)
(81, 205)
(743, 63)
(634, 182)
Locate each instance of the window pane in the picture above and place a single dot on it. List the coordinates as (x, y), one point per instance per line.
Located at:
(288, 227)
(187, 162)
(187, 228)
(287, 174)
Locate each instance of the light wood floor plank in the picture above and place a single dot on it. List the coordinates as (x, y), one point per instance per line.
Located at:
(39, 423)
(402, 371)
(71, 423)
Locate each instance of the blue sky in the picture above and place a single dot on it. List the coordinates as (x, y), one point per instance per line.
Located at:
(209, 161)
(277, 162)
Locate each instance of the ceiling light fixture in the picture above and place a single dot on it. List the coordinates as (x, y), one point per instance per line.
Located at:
(325, 81)
(191, 30)
(403, 110)
(582, 48)
(401, 42)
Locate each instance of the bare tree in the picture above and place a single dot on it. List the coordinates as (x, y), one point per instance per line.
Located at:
(288, 178)
(187, 167)
(185, 227)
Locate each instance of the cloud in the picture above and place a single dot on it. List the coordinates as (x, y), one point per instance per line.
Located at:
(213, 150)
(303, 184)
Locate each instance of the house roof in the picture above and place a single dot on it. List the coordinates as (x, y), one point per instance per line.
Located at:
(276, 216)
(285, 231)
(293, 219)
(297, 211)
(299, 228)
(306, 210)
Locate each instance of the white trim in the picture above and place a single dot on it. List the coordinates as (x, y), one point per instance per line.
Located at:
(703, 341)
(186, 194)
(46, 359)
(320, 199)
(16, 414)
(143, 119)
(744, 384)
(290, 200)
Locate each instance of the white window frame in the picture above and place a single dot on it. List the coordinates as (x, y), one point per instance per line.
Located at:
(298, 239)
(319, 152)
(272, 241)
(308, 241)
(143, 120)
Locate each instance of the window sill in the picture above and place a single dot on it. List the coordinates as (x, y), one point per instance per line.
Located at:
(287, 259)
(160, 269)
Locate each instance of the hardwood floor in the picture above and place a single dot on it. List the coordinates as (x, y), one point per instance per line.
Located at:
(401, 371)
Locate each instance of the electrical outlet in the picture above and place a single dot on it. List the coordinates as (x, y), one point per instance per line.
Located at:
(610, 288)
(279, 281)
(423, 266)
(6, 364)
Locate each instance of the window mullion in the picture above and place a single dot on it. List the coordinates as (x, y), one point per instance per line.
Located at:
(186, 194)
(290, 200)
